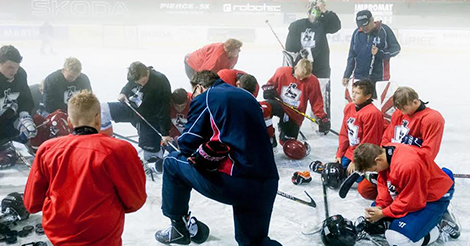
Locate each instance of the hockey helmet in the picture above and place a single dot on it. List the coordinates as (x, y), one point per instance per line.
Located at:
(8, 156)
(294, 149)
(338, 231)
(333, 175)
(13, 206)
(54, 125)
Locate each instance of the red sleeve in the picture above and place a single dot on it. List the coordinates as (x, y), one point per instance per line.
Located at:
(383, 196)
(388, 133)
(316, 99)
(343, 133)
(274, 80)
(36, 185)
(126, 172)
(433, 129)
(372, 128)
(414, 192)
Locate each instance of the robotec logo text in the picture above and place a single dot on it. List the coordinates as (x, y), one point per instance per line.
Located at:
(78, 8)
(251, 8)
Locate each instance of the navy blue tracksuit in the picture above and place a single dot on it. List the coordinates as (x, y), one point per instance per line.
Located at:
(360, 57)
(247, 179)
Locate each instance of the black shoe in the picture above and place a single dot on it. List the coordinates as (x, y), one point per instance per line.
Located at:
(450, 225)
(176, 233)
(198, 231)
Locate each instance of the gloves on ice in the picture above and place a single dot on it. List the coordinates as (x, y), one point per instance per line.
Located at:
(209, 156)
(269, 92)
(26, 126)
(316, 166)
(299, 178)
(410, 140)
(324, 125)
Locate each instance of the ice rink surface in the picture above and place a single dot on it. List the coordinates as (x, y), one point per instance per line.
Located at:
(438, 74)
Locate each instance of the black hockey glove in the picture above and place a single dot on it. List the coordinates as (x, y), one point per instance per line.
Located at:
(209, 156)
(410, 140)
(269, 92)
(324, 125)
(304, 53)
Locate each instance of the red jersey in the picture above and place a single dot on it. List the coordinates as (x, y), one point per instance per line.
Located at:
(412, 180)
(297, 93)
(211, 57)
(268, 117)
(229, 76)
(427, 124)
(179, 119)
(84, 184)
(363, 126)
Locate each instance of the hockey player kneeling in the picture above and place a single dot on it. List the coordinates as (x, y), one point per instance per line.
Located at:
(225, 155)
(413, 192)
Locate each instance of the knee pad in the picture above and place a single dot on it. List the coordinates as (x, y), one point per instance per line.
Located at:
(105, 117)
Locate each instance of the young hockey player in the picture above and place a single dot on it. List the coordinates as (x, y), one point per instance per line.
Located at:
(414, 123)
(413, 192)
(362, 123)
(180, 101)
(220, 159)
(16, 103)
(85, 183)
(295, 87)
(213, 57)
(372, 46)
(62, 84)
(148, 92)
(232, 76)
(249, 83)
(308, 35)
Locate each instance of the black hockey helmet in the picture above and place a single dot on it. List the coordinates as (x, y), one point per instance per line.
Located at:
(338, 231)
(333, 174)
(13, 205)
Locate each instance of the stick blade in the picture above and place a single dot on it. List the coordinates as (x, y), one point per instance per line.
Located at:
(347, 183)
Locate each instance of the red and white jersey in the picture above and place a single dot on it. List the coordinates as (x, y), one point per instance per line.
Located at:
(412, 180)
(229, 76)
(179, 119)
(268, 117)
(427, 124)
(84, 184)
(363, 126)
(297, 93)
(211, 57)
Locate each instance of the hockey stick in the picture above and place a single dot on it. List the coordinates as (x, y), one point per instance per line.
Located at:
(461, 175)
(148, 123)
(295, 199)
(275, 35)
(125, 138)
(303, 114)
(347, 183)
(325, 198)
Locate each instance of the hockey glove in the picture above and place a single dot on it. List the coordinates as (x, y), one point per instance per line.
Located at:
(269, 92)
(9, 113)
(304, 53)
(324, 125)
(410, 140)
(26, 126)
(209, 156)
(316, 166)
(299, 178)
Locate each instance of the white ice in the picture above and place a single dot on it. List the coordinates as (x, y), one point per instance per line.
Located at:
(438, 73)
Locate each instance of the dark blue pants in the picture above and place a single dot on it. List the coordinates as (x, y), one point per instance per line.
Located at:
(252, 199)
(149, 140)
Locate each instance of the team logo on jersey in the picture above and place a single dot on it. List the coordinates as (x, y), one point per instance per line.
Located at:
(307, 39)
(401, 131)
(353, 132)
(291, 95)
(376, 41)
(9, 100)
(179, 122)
(137, 97)
(392, 190)
(69, 93)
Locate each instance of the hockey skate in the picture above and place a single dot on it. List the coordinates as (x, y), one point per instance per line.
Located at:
(177, 233)
(449, 225)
